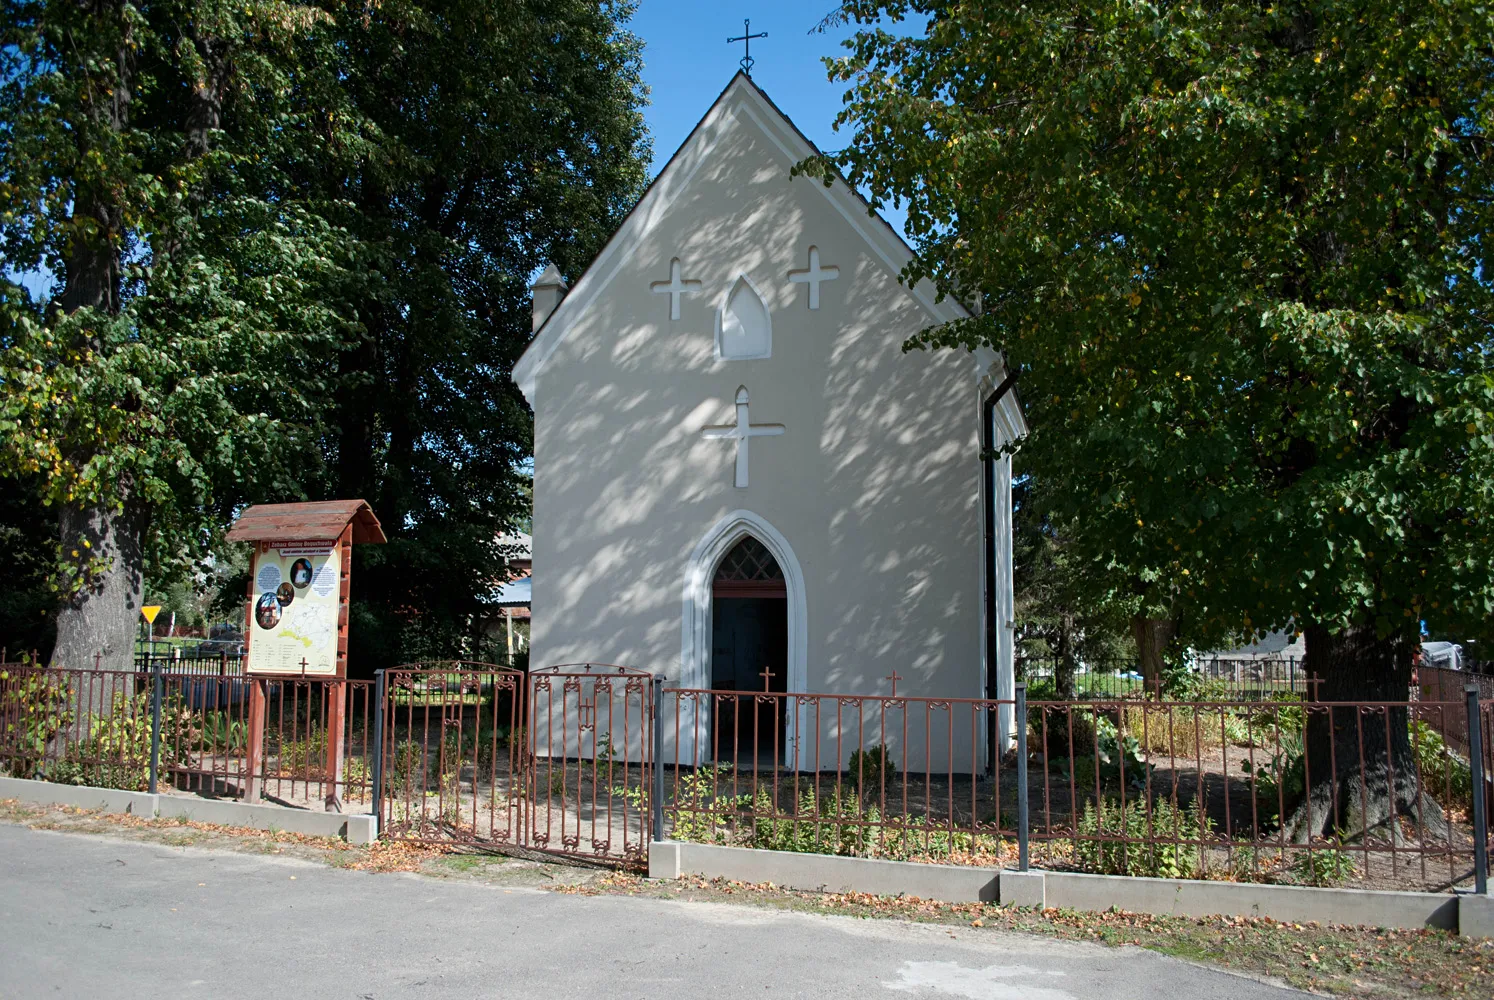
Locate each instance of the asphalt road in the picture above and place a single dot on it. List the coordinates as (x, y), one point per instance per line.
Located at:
(87, 917)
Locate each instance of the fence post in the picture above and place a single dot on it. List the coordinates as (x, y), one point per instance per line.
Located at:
(1022, 818)
(1480, 812)
(656, 797)
(376, 793)
(155, 725)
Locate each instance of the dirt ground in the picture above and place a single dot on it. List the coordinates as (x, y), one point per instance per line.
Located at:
(1339, 961)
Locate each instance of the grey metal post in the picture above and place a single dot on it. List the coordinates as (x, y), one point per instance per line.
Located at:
(1480, 811)
(1022, 818)
(656, 797)
(377, 775)
(155, 725)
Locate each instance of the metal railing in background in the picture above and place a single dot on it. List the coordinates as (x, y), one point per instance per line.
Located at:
(1439, 684)
(1212, 677)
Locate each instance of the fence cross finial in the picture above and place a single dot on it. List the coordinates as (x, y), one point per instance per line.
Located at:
(894, 677)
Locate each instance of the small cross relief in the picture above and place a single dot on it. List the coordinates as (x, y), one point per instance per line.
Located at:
(674, 288)
(813, 275)
(743, 431)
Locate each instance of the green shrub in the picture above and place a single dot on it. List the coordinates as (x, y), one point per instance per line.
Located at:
(222, 733)
(406, 767)
(1324, 867)
(701, 811)
(871, 769)
(305, 757)
(1156, 856)
(116, 752)
(1445, 776)
(1060, 729)
(1280, 780)
(36, 706)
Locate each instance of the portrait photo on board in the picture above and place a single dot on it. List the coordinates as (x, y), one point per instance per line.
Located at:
(285, 593)
(267, 611)
(301, 574)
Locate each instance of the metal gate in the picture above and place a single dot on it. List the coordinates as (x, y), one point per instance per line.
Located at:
(556, 760)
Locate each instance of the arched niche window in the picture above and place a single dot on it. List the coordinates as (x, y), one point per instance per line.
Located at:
(744, 329)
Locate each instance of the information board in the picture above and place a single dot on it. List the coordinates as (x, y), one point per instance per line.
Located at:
(293, 620)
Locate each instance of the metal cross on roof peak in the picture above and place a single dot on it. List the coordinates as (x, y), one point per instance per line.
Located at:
(746, 39)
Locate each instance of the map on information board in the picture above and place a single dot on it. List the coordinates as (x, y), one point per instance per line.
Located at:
(293, 623)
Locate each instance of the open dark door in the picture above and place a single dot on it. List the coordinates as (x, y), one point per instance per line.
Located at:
(749, 653)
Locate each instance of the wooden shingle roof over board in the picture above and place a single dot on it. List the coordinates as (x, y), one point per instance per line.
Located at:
(321, 519)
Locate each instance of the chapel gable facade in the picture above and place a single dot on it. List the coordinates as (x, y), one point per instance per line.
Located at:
(741, 480)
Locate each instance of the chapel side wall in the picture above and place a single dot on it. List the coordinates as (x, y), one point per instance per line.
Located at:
(874, 484)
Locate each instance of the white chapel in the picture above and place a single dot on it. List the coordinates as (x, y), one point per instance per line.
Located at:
(741, 481)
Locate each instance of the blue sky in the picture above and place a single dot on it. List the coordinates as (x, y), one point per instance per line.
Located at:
(687, 63)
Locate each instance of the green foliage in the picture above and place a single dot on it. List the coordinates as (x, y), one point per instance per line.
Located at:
(222, 733)
(35, 706)
(1238, 253)
(1445, 775)
(1114, 754)
(1160, 823)
(170, 371)
(702, 810)
(407, 770)
(1325, 866)
(532, 154)
(839, 824)
(28, 548)
(261, 262)
(117, 750)
(304, 757)
(870, 769)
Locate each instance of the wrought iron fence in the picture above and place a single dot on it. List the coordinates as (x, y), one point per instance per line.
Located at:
(555, 760)
(564, 760)
(1242, 790)
(153, 730)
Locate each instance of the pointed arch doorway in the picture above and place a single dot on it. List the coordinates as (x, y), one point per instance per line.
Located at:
(749, 653)
(693, 743)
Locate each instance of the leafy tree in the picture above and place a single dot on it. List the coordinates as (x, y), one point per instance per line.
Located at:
(165, 377)
(1238, 251)
(292, 244)
(1062, 615)
(509, 134)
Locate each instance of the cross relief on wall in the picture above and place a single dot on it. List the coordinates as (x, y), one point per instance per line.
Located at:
(813, 275)
(674, 288)
(678, 286)
(742, 432)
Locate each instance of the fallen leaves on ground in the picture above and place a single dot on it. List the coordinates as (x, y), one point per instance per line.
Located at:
(1365, 962)
(396, 856)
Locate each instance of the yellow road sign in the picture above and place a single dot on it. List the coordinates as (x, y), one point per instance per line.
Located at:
(150, 611)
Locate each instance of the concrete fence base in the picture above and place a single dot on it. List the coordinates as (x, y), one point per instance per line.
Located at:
(355, 828)
(1469, 914)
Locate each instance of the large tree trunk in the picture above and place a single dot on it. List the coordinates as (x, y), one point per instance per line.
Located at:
(1360, 770)
(101, 603)
(1063, 666)
(101, 547)
(1152, 637)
